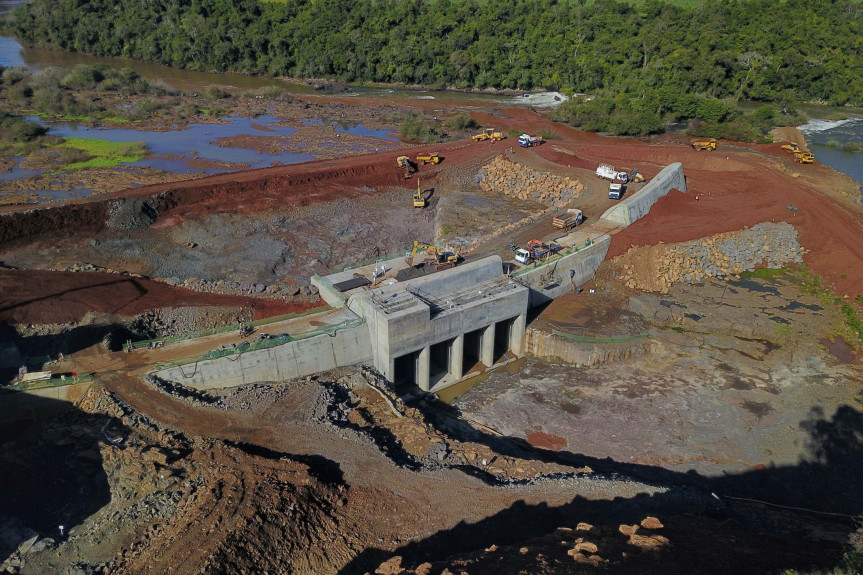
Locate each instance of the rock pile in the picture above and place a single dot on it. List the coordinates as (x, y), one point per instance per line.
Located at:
(657, 268)
(524, 183)
(227, 287)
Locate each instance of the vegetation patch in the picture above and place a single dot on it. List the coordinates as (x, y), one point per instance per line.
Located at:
(104, 154)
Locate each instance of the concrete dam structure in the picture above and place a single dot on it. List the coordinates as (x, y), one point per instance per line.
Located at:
(430, 330)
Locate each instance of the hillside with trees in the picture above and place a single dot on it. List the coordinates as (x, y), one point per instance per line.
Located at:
(647, 64)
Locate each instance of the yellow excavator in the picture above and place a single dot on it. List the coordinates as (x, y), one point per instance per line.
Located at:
(424, 253)
(407, 164)
(419, 200)
(791, 147)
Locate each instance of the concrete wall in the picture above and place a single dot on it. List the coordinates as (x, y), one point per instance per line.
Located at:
(20, 408)
(585, 354)
(294, 359)
(583, 263)
(636, 206)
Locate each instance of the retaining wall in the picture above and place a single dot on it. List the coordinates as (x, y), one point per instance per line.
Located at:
(636, 206)
(552, 280)
(21, 408)
(298, 358)
(585, 353)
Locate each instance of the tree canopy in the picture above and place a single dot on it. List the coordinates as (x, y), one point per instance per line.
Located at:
(649, 60)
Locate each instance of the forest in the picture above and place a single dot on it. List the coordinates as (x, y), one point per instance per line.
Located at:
(646, 65)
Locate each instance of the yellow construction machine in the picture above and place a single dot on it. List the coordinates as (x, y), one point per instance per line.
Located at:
(423, 253)
(419, 200)
(804, 157)
(428, 158)
(488, 134)
(708, 145)
(405, 162)
(791, 147)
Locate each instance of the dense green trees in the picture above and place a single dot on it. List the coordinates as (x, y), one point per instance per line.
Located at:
(645, 64)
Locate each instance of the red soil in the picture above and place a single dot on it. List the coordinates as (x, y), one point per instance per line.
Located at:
(36, 296)
(737, 187)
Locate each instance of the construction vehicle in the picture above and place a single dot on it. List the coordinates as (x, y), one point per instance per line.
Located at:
(526, 140)
(427, 254)
(636, 177)
(409, 167)
(419, 200)
(428, 158)
(615, 190)
(607, 172)
(804, 157)
(488, 134)
(568, 219)
(536, 250)
(791, 147)
(700, 145)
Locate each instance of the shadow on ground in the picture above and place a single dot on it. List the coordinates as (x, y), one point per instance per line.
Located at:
(711, 528)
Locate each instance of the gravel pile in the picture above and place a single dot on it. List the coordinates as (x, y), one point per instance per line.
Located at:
(656, 268)
(525, 183)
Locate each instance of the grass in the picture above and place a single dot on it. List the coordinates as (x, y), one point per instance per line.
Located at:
(763, 273)
(104, 154)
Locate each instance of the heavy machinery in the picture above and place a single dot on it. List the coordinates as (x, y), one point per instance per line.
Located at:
(527, 141)
(419, 200)
(409, 167)
(636, 177)
(428, 158)
(423, 254)
(568, 219)
(536, 250)
(791, 147)
(804, 157)
(708, 145)
(607, 172)
(488, 134)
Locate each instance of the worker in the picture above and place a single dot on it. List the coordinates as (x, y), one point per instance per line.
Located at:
(696, 198)
(383, 269)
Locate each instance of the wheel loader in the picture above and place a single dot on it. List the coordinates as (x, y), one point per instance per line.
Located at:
(488, 134)
(804, 157)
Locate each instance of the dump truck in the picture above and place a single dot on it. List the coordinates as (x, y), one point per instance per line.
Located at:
(526, 140)
(607, 172)
(700, 145)
(488, 134)
(536, 250)
(804, 157)
(428, 158)
(568, 219)
(615, 190)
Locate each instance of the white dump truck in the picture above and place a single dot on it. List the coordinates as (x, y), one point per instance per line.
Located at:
(526, 140)
(607, 171)
(615, 190)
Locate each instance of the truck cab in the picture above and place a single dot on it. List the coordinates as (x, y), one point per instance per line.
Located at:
(522, 256)
(615, 190)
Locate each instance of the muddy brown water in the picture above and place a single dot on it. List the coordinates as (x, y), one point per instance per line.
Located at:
(839, 348)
